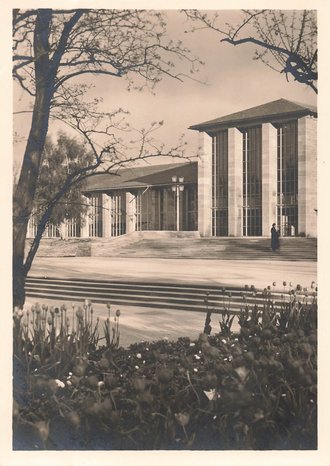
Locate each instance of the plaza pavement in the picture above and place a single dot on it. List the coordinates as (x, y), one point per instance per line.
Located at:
(138, 323)
(188, 271)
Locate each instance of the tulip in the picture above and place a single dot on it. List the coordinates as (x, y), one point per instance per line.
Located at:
(73, 418)
(211, 394)
(182, 418)
(43, 429)
(15, 408)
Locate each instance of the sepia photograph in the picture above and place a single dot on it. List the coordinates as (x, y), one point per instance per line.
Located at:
(164, 225)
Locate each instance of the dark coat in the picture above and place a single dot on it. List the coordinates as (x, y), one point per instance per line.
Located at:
(275, 242)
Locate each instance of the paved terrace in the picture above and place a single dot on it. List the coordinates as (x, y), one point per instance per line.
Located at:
(192, 271)
(139, 323)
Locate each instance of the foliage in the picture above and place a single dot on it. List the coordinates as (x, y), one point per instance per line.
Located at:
(286, 40)
(60, 159)
(255, 389)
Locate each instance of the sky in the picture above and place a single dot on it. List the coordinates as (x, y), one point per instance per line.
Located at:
(229, 81)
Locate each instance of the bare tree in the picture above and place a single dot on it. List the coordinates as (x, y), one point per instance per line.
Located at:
(286, 40)
(51, 49)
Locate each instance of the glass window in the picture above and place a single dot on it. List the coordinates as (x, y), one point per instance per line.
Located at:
(51, 230)
(95, 216)
(73, 227)
(287, 178)
(189, 208)
(220, 184)
(117, 214)
(252, 182)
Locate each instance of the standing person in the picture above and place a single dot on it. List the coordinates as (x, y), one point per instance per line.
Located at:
(275, 243)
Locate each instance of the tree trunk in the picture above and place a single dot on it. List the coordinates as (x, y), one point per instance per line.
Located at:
(26, 186)
(19, 275)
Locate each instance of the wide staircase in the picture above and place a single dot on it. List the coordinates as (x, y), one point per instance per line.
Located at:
(165, 245)
(173, 245)
(184, 297)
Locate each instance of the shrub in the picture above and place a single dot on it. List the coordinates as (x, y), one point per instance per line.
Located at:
(254, 389)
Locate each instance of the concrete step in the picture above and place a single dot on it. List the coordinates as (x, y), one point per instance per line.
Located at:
(181, 245)
(230, 249)
(154, 295)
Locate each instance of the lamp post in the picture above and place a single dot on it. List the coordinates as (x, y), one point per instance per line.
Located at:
(177, 188)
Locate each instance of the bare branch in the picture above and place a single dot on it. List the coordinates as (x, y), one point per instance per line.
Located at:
(284, 37)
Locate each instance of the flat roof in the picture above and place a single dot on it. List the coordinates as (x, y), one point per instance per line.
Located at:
(275, 110)
(142, 176)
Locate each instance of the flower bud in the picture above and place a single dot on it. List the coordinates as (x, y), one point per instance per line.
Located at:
(182, 418)
(15, 408)
(80, 313)
(43, 429)
(73, 418)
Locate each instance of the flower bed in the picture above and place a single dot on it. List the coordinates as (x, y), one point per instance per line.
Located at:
(255, 389)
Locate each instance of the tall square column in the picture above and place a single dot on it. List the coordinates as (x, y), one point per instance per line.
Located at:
(105, 206)
(269, 177)
(84, 229)
(307, 176)
(205, 187)
(130, 212)
(235, 181)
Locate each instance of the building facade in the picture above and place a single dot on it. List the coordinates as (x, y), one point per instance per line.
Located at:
(159, 197)
(258, 167)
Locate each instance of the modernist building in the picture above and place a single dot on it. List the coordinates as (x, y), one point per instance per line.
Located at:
(258, 167)
(150, 197)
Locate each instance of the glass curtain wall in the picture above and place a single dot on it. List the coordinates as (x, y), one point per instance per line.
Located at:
(189, 209)
(287, 178)
(95, 220)
(167, 209)
(118, 214)
(51, 230)
(73, 227)
(156, 209)
(252, 182)
(220, 184)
